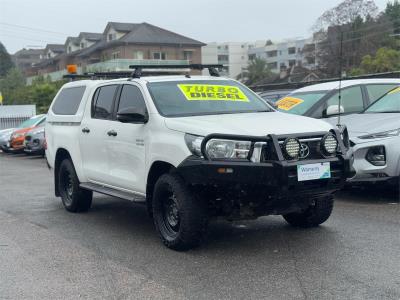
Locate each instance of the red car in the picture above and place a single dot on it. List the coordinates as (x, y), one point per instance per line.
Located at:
(18, 136)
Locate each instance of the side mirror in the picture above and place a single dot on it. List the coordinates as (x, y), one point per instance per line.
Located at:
(133, 115)
(334, 110)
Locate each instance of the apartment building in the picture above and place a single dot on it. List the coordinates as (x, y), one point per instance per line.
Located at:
(284, 55)
(233, 55)
(117, 47)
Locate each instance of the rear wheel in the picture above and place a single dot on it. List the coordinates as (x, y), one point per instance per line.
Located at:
(74, 198)
(179, 216)
(314, 215)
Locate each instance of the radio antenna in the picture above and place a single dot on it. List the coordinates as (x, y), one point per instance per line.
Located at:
(340, 78)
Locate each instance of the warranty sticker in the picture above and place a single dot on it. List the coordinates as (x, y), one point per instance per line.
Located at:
(288, 103)
(208, 92)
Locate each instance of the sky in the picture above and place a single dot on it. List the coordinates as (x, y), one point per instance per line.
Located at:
(34, 23)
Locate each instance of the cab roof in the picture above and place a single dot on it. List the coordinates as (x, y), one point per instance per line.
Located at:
(327, 86)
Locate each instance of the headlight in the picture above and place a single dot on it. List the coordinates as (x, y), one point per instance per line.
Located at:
(329, 144)
(194, 143)
(378, 135)
(227, 149)
(292, 148)
(39, 131)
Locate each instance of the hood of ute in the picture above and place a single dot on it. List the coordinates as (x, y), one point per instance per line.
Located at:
(254, 124)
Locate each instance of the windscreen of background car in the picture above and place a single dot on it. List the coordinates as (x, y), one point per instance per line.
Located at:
(32, 121)
(387, 104)
(184, 98)
(299, 103)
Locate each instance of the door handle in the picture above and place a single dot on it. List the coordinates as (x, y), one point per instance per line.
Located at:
(112, 133)
(85, 130)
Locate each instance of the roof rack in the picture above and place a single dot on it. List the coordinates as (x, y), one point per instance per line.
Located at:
(138, 71)
(212, 69)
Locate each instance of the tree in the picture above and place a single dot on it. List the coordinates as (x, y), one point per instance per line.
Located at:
(346, 12)
(5, 61)
(256, 71)
(392, 12)
(385, 60)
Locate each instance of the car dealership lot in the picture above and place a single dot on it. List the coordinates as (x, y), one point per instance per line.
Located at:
(113, 251)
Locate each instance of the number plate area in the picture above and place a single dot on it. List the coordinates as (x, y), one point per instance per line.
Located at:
(314, 171)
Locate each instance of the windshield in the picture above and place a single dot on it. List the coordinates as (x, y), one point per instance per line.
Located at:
(387, 104)
(32, 121)
(299, 103)
(184, 98)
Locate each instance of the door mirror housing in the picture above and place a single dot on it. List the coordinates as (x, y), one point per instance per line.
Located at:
(334, 110)
(133, 115)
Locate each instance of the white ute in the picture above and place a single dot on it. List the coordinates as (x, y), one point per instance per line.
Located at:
(191, 148)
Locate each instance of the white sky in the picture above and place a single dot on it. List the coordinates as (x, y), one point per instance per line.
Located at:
(205, 20)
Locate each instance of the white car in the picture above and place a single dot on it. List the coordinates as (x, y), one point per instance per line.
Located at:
(375, 140)
(322, 100)
(191, 148)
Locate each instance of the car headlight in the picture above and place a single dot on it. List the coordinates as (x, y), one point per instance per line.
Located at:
(227, 149)
(329, 144)
(378, 135)
(194, 143)
(39, 131)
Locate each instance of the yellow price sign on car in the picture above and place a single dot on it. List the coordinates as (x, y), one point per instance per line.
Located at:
(211, 92)
(396, 90)
(288, 103)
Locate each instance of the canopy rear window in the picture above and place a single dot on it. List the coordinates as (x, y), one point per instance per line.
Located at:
(68, 100)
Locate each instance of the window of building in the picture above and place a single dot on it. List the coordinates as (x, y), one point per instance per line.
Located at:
(68, 100)
(69, 49)
(282, 66)
(292, 62)
(292, 50)
(115, 55)
(252, 56)
(160, 55)
(243, 46)
(273, 65)
(82, 45)
(223, 58)
(138, 54)
(310, 60)
(226, 47)
(187, 55)
(131, 96)
(272, 53)
(103, 102)
(280, 52)
(111, 36)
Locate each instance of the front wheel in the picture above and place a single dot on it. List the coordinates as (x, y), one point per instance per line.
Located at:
(314, 215)
(74, 198)
(179, 216)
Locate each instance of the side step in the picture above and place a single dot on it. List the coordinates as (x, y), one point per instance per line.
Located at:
(113, 192)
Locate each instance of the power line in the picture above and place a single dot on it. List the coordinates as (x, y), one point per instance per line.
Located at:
(34, 29)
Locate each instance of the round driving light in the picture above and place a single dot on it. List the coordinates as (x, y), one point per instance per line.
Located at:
(292, 148)
(329, 144)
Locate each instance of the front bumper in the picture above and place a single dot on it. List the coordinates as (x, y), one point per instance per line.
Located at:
(366, 171)
(268, 187)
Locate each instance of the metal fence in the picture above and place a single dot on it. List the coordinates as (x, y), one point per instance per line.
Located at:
(12, 121)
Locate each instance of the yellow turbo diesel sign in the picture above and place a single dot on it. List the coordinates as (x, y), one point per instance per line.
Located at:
(208, 92)
(288, 103)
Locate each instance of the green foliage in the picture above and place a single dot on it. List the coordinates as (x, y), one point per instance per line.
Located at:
(256, 71)
(5, 61)
(41, 92)
(385, 60)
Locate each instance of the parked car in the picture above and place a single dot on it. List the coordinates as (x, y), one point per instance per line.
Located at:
(5, 135)
(191, 148)
(375, 139)
(17, 138)
(35, 141)
(322, 100)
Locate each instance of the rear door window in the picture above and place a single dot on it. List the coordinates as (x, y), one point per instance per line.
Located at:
(103, 102)
(68, 100)
(352, 100)
(376, 91)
